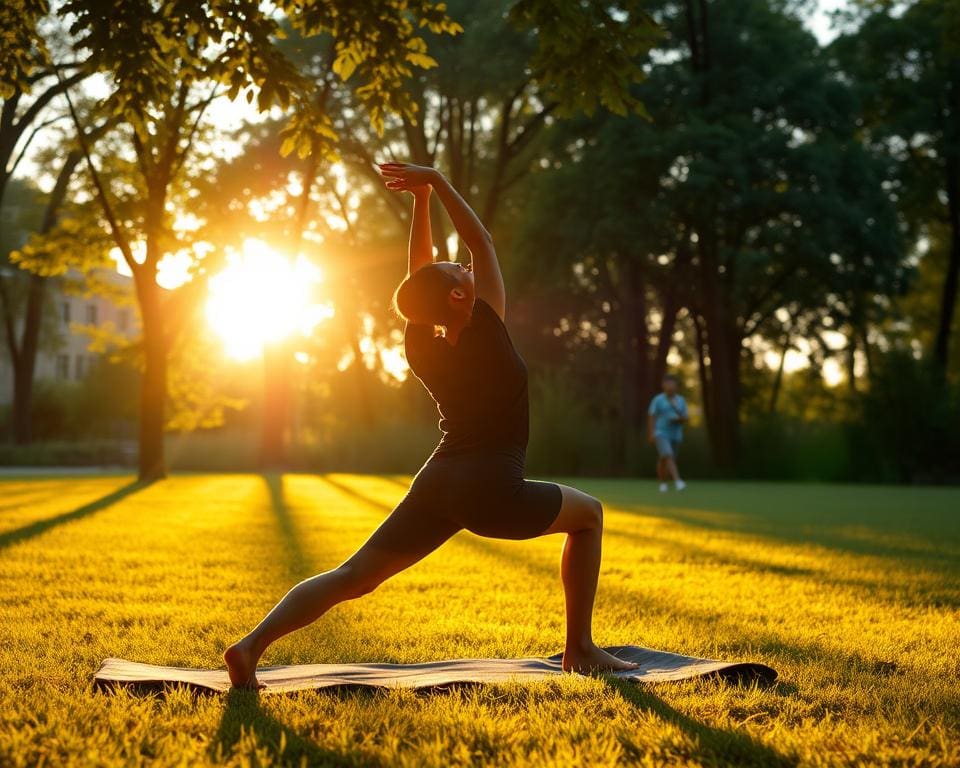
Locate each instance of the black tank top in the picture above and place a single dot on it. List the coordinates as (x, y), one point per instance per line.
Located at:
(479, 385)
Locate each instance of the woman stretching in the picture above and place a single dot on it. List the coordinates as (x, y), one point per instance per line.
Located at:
(474, 479)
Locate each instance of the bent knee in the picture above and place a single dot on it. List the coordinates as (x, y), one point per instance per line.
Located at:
(589, 514)
(594, 512)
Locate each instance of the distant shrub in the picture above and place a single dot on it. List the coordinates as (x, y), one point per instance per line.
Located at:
(565, 437)
(910, 428)
(75, 453)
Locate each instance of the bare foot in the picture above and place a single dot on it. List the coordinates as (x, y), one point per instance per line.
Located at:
(242, 666)
(593, 659)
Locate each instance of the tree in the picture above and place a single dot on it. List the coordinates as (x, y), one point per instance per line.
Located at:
(747, 194)
(167, 63)
(616, 258)
(30, 82)
(906, 65)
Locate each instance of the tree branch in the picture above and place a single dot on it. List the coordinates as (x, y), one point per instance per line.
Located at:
(182, 155)
(530, 129)
(45, 98)
(30, 138)
(118, 236)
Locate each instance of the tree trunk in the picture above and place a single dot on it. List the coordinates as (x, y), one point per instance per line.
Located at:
(635, 366)
(275, 419)
(778, 378)
(948, 301)
(26, 362)
(667, 326)
(153, 388)
(723, 344)
(706, 391)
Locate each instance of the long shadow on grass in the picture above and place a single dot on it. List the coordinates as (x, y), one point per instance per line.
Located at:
(33, 491)
(715, 746)
(354, 493)
(299, 564)
(244, 715)
(862, 521)
(27, 532)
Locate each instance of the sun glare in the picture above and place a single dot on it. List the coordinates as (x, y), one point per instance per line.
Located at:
(263, 296)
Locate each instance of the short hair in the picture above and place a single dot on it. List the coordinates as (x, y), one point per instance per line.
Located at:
(670, 377)
(423, 296)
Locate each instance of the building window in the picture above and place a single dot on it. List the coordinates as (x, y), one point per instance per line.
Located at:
(65, 312)
(92, 314)
(79, 366)
(63, 366)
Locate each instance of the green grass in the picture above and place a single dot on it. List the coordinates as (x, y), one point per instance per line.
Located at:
(852, 593)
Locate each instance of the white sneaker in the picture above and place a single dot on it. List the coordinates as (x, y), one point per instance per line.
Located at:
(664, 487)
(681, 485)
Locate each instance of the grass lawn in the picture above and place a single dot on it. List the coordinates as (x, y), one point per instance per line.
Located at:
(852, 593)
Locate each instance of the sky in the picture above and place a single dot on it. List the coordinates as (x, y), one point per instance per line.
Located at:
(819, 22)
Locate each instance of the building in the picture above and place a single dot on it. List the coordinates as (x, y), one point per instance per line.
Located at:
(64, 353)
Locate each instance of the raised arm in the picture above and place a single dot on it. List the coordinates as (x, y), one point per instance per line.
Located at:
(483, 257)
(420, 248)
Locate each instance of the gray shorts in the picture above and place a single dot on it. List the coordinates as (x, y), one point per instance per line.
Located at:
(666, 448)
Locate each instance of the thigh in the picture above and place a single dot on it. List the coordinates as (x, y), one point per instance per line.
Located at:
(519, 509)
(410, 533)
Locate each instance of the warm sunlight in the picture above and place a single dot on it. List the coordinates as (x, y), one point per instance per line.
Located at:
(263, 296)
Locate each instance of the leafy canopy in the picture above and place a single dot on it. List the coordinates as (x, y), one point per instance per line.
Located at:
(152, 49)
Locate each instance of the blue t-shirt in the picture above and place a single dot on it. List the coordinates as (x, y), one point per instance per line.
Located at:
(664, 413)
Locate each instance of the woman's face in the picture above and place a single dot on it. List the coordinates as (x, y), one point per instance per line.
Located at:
(462, 296)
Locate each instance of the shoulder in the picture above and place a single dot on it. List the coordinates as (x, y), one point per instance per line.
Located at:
(485, 315)
(656, 401)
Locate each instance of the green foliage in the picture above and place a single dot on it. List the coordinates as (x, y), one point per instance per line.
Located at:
(153, 50)
(905, 64)
(101, 406)
(22, 50)
(566, 437)
(594, 42)
(909, 429)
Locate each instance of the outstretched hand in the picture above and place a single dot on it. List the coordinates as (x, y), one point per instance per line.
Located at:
(405, 177)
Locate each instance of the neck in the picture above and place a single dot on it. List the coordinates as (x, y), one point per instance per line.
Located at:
(452, 330)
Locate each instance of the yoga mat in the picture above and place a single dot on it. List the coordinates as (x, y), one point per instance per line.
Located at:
(655, 667)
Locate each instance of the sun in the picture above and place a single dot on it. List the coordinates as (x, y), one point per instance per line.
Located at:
(261, 297)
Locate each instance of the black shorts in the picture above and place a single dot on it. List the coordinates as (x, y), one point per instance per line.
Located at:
(485, 493)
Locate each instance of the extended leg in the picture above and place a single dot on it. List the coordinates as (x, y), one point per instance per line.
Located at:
(581, 518)
(402, 540)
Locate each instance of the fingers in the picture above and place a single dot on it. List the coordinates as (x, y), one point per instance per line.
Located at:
(397, 177)
(392, 169)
